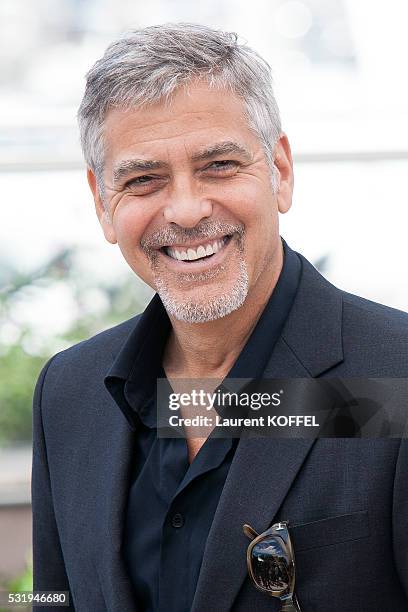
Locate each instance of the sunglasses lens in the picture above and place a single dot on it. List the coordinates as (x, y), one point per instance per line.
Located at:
(271, 564)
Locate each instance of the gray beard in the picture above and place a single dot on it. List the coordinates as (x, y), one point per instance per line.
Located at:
(205, 310)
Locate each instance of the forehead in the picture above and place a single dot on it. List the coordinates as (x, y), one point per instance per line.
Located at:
(194, 118)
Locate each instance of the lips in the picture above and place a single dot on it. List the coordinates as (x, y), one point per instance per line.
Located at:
(193, 258)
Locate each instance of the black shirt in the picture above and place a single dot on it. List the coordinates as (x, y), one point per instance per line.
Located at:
(172, 503)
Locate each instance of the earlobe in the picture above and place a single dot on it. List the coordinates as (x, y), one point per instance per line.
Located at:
(284, 199)
(108, 229)
(100, 209)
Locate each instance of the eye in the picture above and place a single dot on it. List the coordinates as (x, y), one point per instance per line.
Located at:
(146, 183)
(223, 166)
(139, 180)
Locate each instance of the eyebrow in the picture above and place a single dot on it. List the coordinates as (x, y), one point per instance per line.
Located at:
(130, 166)
(223, 148)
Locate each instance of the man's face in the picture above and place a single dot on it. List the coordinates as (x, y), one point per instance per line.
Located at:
(189, 200)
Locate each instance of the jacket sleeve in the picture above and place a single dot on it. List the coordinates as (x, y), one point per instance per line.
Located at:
(400, 515)
(49, 572)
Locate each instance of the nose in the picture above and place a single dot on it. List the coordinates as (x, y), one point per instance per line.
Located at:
(186, 204)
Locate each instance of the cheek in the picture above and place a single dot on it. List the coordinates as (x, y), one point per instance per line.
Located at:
(251, 200)
(262, 232)
(130, 222)
(259, 212)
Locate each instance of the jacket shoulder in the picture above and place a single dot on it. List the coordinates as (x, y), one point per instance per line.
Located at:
(371, 318)
(365, 338)
(375, 317)
(375, 338)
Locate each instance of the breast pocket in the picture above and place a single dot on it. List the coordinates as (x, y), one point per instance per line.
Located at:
(329, 531)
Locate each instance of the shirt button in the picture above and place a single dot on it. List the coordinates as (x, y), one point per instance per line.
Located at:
(177, 521)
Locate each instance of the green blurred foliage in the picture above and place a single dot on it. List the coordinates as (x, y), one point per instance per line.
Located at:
(18, 371)
(98, 304)
(23, 582)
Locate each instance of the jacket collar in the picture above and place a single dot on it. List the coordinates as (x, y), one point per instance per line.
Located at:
(313, 330)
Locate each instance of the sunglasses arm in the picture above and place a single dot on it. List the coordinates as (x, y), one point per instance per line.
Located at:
(250, 532)
(290, 605)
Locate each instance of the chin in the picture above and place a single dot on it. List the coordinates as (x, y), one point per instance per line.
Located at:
(208, 307)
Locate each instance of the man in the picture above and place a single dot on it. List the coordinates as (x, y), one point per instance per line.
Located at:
(189, 170)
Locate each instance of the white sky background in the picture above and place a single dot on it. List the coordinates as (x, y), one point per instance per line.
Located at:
(341, 86)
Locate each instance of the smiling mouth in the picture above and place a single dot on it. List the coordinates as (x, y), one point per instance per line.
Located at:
(204, 250)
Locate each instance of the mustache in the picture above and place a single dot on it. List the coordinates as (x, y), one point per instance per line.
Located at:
(207, 230)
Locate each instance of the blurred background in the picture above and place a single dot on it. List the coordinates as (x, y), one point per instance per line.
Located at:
(338, 69)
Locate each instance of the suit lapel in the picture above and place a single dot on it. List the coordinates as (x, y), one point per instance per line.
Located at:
(264, 469)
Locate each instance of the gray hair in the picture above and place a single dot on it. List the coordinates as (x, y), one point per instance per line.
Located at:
(146, 66)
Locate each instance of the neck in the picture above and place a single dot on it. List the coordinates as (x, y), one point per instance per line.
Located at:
(198, 350)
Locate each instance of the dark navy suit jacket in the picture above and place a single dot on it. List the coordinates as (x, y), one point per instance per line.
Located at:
(347, 499)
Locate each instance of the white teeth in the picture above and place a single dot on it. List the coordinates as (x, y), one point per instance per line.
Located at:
(198, 253)
(192, 254)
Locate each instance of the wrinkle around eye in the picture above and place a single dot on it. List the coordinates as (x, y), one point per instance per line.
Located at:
(115, 197)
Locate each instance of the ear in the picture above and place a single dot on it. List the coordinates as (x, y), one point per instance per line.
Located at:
(284, 164)
(101, 210)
